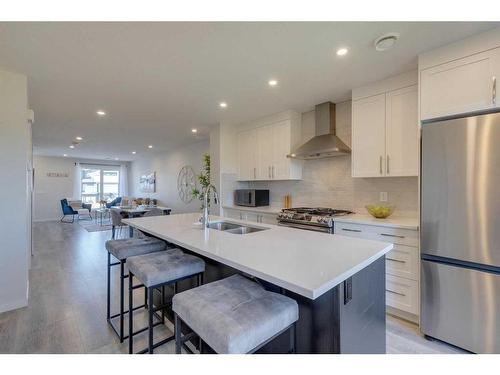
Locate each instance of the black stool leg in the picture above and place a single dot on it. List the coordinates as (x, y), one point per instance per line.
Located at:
(177, 330)
(108, 297)
(163, 304)
(293, 338)
(122, 299)
(151, 310)
(130, 314)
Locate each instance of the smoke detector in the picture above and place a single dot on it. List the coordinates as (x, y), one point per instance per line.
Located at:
(386, 41)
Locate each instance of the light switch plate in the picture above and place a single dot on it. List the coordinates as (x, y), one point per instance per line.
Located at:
(383, 196)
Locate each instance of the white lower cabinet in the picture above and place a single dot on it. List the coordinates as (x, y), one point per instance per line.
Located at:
(402, 265)
(256, 217)
(401, 294)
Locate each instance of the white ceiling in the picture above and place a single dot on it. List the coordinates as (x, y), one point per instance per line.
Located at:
(156, 81)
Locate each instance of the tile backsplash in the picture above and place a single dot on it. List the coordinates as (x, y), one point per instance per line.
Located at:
(328, 183)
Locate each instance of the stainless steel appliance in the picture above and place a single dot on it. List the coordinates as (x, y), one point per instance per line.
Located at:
(460, 232)
(325, 143)
(251, 197)
(318, 219)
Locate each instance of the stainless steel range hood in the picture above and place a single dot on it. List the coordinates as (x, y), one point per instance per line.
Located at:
(325, 143)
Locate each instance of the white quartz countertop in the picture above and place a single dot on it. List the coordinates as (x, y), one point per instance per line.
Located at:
(306, 262)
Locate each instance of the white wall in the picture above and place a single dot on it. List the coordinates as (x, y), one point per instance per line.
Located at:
(167, 166)
(50, 190)
(15, 145)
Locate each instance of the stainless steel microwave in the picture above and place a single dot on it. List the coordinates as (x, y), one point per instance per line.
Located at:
(251, 197)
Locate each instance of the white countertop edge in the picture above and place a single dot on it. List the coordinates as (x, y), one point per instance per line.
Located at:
(271, 210)
(311, 294)
(402, 222)
(341, 278)
(391, 222)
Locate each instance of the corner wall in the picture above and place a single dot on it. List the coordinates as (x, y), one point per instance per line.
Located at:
(15, 151)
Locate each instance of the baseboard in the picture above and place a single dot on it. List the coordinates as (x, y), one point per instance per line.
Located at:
(13, 305)
(402, 314)
(44, 220)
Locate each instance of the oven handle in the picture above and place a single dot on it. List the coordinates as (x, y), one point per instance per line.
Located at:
(306, 227)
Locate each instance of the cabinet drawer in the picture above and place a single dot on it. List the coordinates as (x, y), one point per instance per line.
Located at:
(401, 294)
(403, 261)
(398, 236)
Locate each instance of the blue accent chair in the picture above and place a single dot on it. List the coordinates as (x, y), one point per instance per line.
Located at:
(67, 210)
(114, 202)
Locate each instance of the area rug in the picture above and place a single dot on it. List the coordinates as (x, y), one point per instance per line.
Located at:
(92, 226)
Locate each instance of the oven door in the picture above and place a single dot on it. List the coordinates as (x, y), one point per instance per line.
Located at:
(316, 228)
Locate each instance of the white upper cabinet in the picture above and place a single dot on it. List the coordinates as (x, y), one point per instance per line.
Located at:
(265, 155)
(281, 165)
(247, 154)
(385, 138)
(368, 136)
(459, 86)
(262, 152)
(401, 132)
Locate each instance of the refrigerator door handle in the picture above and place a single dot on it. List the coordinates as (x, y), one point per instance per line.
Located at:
(494, 91)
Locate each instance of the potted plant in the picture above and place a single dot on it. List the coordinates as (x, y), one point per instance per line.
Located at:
(203, 180)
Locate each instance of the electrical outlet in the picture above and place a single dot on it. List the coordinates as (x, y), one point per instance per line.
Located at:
(383, 196)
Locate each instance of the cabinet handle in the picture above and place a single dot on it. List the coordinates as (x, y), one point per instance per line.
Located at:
(494, 91)
(272, 169)
(241, 217)
(395, 260)
(393, 292)
(269, 171)
(387, 164)
(380, 164)
(254, 173)
(391, 235)
(351, 230)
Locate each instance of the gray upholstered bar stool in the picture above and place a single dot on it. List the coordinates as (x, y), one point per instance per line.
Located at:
(155, 271)
(122, 249)
(234, 315)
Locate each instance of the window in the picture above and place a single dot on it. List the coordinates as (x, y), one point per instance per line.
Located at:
(99, 184)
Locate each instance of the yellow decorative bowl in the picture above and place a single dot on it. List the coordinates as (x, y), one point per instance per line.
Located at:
(379, 212)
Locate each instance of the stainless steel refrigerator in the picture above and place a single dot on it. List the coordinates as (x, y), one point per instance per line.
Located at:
(460, 232)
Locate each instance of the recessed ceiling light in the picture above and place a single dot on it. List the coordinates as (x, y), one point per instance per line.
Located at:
(78, 138)
(72, 146)
(223, 104)
(101, 113)
(117, 159)
(386, 41)
(150, 146)
(65, 155)
(272, 82)
(194, 130)
(342, 51)
(133, 152)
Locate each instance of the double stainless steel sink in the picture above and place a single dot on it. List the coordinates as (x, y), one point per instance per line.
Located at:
(234, 228)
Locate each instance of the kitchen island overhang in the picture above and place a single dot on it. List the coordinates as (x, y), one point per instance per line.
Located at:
(338, 281)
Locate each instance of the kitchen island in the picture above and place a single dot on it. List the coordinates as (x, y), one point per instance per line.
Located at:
(338, 281)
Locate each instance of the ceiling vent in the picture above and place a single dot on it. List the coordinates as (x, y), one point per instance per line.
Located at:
(386, 41)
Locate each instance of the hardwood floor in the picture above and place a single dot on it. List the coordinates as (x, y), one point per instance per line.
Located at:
(66, 312)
